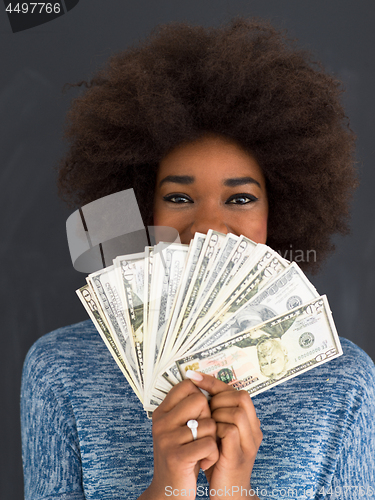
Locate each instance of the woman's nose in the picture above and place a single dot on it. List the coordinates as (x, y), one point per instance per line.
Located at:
(208, 218)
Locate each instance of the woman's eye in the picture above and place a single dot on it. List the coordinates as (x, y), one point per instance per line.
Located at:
(241, 199)
(177, 198)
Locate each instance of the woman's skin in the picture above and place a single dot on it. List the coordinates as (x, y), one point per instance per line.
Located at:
(211, 184)
(208, 184)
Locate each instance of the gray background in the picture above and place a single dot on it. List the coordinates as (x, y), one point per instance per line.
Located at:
(37, 278)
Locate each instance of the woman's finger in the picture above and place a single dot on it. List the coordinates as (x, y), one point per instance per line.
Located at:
(184, 435)
(192, 407)
(230, 438)
(224, 396)
(202, 450)
(239, 399)
(177, 394)
(206, 427)
(235, 422)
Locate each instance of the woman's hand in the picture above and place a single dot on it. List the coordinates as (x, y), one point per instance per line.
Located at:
(177, 457)
(238, 436)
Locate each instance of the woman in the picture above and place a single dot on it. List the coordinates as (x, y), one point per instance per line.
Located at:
(236, 130)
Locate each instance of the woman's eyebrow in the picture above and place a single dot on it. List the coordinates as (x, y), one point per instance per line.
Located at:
(240, 181)
(188, 179)
(178, 179)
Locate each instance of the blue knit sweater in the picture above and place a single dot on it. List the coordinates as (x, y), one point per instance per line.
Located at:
(85, 434)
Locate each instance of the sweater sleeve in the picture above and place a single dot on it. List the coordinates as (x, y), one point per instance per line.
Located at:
(50, 445)
(354, 476)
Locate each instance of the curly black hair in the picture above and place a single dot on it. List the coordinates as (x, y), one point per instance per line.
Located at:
(245, 81)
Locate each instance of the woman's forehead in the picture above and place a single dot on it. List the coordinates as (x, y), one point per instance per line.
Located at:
(213, 156)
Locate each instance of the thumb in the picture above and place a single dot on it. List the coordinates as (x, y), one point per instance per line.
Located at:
(208, 384)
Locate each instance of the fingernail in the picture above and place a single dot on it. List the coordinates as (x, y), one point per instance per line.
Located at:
(193, 375)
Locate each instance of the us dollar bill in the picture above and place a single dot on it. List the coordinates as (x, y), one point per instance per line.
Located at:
(223, 305)
(95, 312)
(149, 256)
(258, 273)
(171, 270)
(235, 253)
(246, 287)
(130, 272)
(254, 277)
(288, 290)
(169, 262)
(239, 256)
(202, 289)
(176, 258)
(192, 259)
(105, 285)
(207, 255)
(273, 352)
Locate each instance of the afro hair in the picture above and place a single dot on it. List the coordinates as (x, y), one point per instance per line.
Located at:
(245, 81)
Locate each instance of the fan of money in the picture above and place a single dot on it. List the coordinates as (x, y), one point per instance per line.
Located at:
(222, 305)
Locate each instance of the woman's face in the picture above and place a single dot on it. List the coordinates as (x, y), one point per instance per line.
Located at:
(211, 184)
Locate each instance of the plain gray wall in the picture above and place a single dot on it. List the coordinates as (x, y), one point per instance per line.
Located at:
(38, 280)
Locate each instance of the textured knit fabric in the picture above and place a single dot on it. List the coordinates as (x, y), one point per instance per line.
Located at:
(86, 436)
